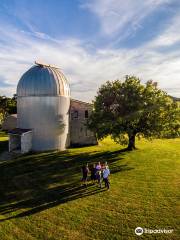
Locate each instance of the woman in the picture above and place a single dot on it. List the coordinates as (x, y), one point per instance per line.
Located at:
(99, 174)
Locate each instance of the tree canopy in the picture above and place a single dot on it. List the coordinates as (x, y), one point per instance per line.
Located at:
(126, 109)
(7, 106)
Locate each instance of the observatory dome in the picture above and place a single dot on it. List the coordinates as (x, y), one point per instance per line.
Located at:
(43, 80)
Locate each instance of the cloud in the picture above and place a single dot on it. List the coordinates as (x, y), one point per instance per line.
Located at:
(5, 85)
(87, 70)
(170, 35)
(122, 17)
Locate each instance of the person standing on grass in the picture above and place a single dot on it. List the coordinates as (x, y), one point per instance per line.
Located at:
(98, 166)
(93, 173)
(106, 174)
(99, 178)
(99, 174)
(85, 171)
(105, 165)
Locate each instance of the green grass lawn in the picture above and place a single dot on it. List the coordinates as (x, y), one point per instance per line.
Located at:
(41, 196)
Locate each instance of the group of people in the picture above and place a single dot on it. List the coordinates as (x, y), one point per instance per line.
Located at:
(99, 173)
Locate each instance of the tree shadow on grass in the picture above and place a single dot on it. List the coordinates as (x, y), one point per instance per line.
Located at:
(33, 183)
(3, 146)
(50, 199)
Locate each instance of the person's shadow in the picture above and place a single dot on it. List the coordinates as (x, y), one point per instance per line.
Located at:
(43, 180)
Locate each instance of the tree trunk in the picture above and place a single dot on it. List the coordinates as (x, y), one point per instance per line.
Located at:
(131, 145)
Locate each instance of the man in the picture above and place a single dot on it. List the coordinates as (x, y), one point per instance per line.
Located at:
(106, 174)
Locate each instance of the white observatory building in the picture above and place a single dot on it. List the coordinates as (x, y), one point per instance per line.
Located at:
(47, 119)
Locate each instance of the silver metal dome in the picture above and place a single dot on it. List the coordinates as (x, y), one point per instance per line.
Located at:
(43, 80)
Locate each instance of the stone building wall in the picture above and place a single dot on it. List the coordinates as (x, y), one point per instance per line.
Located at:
(79, 134)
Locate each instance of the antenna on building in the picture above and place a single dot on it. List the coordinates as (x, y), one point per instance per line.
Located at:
(45, 64)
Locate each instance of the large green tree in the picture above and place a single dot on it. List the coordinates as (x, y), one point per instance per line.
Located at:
(126, 109)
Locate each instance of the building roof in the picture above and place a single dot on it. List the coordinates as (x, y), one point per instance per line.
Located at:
(78, 101)
(43, 80)
(19, 131)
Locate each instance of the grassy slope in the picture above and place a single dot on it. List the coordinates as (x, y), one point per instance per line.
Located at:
(41, 197)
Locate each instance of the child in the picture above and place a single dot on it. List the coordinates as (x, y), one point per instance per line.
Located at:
(99, 178)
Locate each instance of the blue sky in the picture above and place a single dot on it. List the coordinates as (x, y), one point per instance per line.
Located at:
(92, 41)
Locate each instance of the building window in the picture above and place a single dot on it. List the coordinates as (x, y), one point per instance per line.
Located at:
(86, 113)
